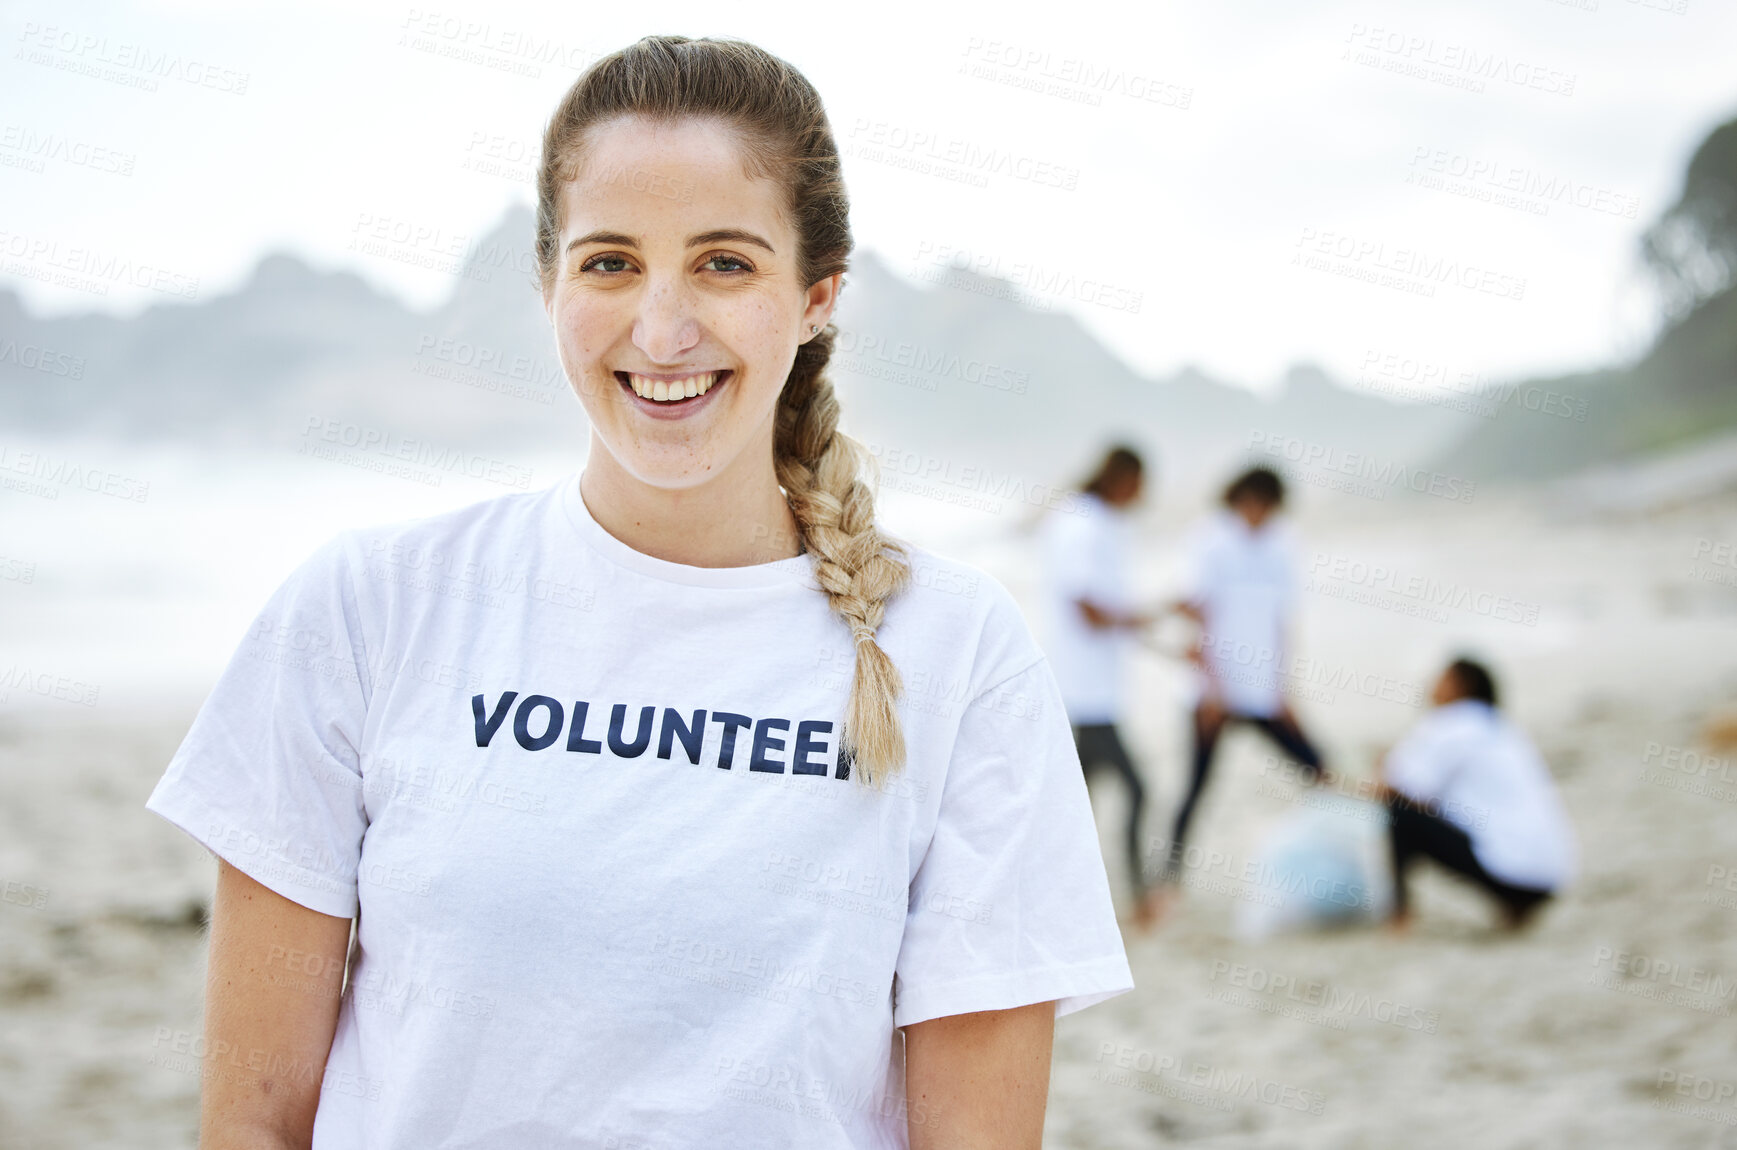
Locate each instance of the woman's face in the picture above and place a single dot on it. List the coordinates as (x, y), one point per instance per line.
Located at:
(677, 302)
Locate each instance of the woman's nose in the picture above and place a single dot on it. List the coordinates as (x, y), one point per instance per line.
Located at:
(666, 327)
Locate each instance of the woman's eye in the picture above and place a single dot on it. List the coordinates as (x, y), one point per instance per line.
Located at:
(727, 264)
(608, 264)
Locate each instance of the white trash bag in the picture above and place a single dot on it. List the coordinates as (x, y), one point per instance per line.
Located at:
(1323, 865)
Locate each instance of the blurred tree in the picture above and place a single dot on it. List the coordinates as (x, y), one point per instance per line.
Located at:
(1692, 248)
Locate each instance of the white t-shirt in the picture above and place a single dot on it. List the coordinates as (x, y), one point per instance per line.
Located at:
(1485, 777)
(1244, 584)
(612, 889)
(1085, 555)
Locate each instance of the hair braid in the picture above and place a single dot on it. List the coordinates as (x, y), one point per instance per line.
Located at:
(822, 471)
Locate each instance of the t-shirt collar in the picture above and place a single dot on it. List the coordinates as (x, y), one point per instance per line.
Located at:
(781, 572)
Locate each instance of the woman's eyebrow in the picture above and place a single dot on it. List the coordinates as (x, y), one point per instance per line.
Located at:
(714, 237)
(724, 234)
(604, 238)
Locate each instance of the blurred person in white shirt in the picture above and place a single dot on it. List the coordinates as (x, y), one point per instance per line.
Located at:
(1091, 620)
(1466, 788)
(1240, 588)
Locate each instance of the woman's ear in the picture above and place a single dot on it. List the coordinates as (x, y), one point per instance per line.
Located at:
(822, 300)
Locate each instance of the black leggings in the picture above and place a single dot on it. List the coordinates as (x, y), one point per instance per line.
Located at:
(1282, 730)
(1416, 832)
(1100, 745)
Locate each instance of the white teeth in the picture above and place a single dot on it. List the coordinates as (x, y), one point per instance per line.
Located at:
(668, 391)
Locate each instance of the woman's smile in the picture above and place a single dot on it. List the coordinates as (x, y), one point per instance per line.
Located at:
(672, 395)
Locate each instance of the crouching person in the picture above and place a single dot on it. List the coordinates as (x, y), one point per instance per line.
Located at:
(1467, 789)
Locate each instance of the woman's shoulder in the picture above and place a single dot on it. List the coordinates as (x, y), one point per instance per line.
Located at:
(501, 523)
(958, 608)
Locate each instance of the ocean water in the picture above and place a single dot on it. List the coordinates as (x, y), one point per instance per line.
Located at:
(129, 573)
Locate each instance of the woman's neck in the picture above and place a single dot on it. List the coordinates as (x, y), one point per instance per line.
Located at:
(730, 520)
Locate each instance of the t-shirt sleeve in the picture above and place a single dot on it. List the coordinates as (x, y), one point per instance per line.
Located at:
(269, 775)
(1420, 766)
(1011, 904)
(1198, 553)
(1076, 561)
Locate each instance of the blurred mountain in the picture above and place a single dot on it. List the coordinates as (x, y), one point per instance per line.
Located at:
(963, 373)
(294, 344)
(1683, 389)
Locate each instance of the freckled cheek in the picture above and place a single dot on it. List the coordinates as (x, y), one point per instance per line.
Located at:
(586, 335)
(761, 340)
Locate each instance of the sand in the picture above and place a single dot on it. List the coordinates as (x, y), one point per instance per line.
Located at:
(1568, 1035)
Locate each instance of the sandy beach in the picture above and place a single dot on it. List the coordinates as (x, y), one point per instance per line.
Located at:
(1608, 1023)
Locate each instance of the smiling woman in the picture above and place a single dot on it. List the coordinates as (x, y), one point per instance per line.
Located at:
(655, 942)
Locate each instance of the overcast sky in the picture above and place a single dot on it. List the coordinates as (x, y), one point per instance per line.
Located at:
(1234, 184)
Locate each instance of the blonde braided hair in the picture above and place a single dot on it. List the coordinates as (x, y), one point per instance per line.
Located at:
(825, 474)
(822, 471)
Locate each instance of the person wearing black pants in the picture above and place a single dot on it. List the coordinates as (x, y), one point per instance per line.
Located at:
(1209, 723)
(1100, 745)
(1467, 789)
(1091, 618)
(1242, 575)
(1415, 833)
